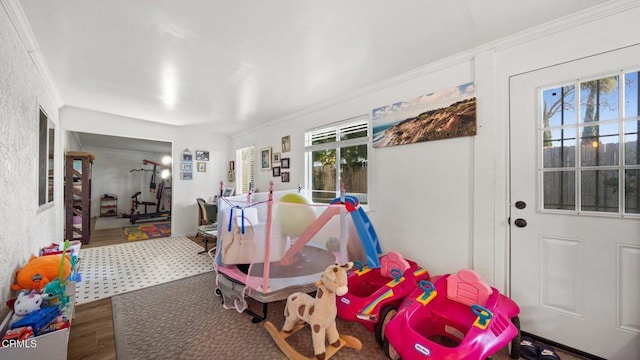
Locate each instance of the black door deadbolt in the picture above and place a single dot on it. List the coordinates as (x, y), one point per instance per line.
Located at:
(520, 223)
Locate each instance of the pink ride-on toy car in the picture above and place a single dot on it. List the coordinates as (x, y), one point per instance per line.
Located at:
(455, 316)
(375, 294)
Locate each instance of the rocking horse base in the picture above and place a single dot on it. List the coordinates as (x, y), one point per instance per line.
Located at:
(280, 337)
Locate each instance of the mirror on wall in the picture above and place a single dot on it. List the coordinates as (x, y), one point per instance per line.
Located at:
(46, 155)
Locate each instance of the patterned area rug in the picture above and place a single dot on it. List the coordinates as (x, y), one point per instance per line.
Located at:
(184, 319)
(116, 269)
(147, 231)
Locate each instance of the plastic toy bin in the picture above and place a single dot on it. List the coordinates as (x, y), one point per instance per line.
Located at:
(52, 345)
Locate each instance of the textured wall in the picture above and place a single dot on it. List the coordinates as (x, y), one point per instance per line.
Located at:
(25, 226)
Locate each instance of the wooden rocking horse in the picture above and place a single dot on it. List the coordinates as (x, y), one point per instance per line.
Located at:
(320, 313)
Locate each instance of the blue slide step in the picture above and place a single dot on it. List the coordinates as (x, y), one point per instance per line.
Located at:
(368, 237)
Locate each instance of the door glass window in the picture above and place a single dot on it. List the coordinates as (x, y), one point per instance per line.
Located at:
(589, 145)
(560, 190)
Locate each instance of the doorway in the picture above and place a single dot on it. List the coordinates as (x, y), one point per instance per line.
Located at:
(119, 172)
(575, 215)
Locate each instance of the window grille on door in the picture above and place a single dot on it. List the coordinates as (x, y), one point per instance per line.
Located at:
(588, 133)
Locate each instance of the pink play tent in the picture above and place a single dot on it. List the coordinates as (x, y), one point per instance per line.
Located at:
(272, 244)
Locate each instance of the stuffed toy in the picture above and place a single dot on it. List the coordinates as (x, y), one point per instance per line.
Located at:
(25, 305)
(39, 271)
(319, 312)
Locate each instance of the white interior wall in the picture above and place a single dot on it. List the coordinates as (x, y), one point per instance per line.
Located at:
(204, 184)
(70, 141)
(26, 227)
(111, 173)
(420, 194)
(461, 185)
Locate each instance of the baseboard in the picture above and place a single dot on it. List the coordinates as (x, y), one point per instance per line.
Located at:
(563, 347)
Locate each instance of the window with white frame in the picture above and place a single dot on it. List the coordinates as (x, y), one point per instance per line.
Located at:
(245, 169)
(590, 160)
(336, 154)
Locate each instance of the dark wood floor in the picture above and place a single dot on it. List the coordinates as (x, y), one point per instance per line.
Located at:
(92, 335)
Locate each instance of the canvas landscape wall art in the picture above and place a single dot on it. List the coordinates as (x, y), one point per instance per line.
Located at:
(439, 115)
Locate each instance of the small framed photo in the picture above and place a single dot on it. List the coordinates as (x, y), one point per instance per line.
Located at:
(276, 171)
(186, 175)
(202, 166)
(202, 155)
(187, 156)
(276, 157)
(232, 176)
(227, 192)
(285, 176)
(265, 158)
(232, 165)
(187, 166)
(286, 143)
(284, 163)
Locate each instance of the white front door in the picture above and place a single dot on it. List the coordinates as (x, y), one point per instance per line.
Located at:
(575, 203)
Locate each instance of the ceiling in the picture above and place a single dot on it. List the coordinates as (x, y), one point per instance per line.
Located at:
(238, 64)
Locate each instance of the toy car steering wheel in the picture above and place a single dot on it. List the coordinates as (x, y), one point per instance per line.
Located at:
(484, 315)
(396, 273)
(427, 287)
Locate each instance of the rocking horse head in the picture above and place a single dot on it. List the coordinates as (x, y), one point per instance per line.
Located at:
(334, 278)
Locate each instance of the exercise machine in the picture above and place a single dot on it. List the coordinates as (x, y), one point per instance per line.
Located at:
(159, 189)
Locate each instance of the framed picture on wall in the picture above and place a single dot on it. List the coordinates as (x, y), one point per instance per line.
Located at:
(202, 166)
(186, 175)
(276, 157)
(232, 165)
(232, 176)
(286, 143)
(202, 155)
(285, 176)
(187, 166)
(265, 158)
(284, 163)
(187, 155)
(276, 171)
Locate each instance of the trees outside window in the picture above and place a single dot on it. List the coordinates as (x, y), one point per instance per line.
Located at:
(338, 154)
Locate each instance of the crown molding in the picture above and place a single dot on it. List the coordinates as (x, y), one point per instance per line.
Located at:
(23, 28)
(581, 17)
(566, 22)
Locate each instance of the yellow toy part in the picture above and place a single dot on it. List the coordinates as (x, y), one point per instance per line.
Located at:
(294, 219)
(39, 271)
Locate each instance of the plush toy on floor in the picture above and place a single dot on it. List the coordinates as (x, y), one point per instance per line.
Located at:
(320, 313)
(25, 305)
